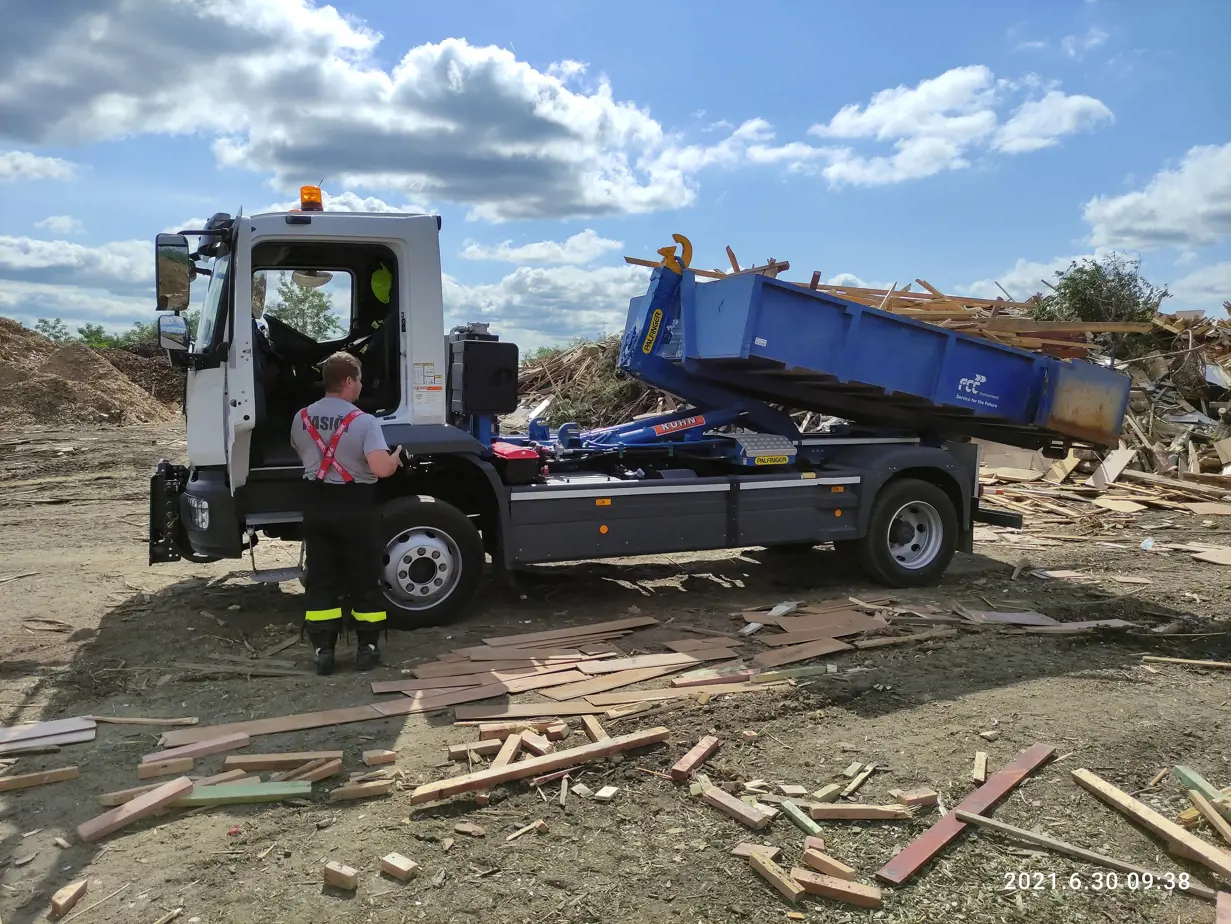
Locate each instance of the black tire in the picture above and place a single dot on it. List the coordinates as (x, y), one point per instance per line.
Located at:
(435, 522)
(874, 549)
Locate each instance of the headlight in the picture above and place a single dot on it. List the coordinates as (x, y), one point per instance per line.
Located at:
(200, 513)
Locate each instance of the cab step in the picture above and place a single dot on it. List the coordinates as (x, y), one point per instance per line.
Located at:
(275, 575)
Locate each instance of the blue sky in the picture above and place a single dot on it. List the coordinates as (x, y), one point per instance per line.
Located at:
(966, 144)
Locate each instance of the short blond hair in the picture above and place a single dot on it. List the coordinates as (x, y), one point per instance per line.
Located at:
(338, 368)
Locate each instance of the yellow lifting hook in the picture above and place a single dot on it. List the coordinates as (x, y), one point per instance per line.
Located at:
(668, 254)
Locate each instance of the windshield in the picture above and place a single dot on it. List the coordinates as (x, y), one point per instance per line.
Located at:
(215, 304)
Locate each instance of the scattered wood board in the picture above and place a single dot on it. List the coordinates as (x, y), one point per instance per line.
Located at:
(553, 636)
(1062, 468)
(734, 673)
(682, 645)
(430, 683)
(700, 753)
(525, 711)
(144, 805)
(439, 669)
(841, 890)
(1211, 815)
(1070, 850)
(920, 851)
(1110, 468)
(1158, 659)
(608, 682)
(286, 723)
(1208, 855)
(244, 794)
(201, 749)
(290, 760)
(804, 652)
(533, 766)
(1210, 509)
(863, 644)
(671, 659)
(44, 729)
(1119, 505)
(649, 696)
(776, 876)
(754, 817)
(835, 625)
(848, 810)
(27, 780)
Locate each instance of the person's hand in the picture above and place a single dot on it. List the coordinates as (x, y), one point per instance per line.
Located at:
(397, 451)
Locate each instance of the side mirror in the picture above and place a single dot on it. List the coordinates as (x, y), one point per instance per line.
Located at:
(172, 272)
(173, 333)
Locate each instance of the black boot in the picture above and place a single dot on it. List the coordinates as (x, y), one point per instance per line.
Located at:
(323, 641)
(368, 655)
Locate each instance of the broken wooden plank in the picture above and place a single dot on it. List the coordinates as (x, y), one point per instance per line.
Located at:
(436, 703)
(142, 806)
(66, 898)
(450, 669)
(164, 768)
(766, 850)
(526, 711)
(827, 865)
(922, 849)
(753, 816)
(315, 771)
(702, 751)
(482, 748)
(853, 811)
(552, 636)
(536, 744)
(606, 794)
(1206, 854)
(1222, 913)
(916, 797)
(1207, 810)
(734, 673)
(1070, 850)
(979, 772)
(503, 730)
(1191, 779)
(288, 760)
(570, 757)
(429, 683)
(539, 827)
(44, 729)
(863, 644)
(776, 876)
(1062, 468)
(1110, 468)
(1156, 659)
(665, 693)
(859, 780)
(509, 749)
(244, 794)
(594, 731)
(379, 757)
(805, 652)
(671, 659)
(204, 748)
(608, 682)
(361, 790)
(341, 876)
(852, 893)
(399, 867)
(28, 780)
(799, 818)
(287, 723)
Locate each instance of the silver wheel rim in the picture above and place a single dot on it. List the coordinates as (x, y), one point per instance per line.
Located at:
(916, 533)
(421, 568)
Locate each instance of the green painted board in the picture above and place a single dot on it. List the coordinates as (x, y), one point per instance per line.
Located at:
(243, 793)
(799, 818)
(1191, 779)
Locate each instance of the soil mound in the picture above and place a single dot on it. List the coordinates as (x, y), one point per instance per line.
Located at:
(152, 374)
(71, 385)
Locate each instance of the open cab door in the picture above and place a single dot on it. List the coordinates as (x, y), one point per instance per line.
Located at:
(240, 404)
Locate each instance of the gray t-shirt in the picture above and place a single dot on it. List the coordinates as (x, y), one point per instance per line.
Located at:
(362, 436)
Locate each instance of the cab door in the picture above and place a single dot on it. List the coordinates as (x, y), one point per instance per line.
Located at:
(240, 405)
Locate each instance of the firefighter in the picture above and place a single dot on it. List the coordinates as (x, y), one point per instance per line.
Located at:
(344, 453)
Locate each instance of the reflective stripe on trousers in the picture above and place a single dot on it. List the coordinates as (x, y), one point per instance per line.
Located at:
(324, 615)
(368, 617)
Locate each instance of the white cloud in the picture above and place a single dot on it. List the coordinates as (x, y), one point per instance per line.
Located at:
(1040, 123)
(22, 165)
(1188, 206)
(75, 305)
(1023, 279)
(61, 224)
(1075, 46)
(941, 123)
(1035, 45)
(584, 247)
(307, 98)
(1207, 287)
(124, 264)
(537, 306)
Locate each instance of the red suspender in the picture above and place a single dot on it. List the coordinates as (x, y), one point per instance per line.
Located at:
(328, 452)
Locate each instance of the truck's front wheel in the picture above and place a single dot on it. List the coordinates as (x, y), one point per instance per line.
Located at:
(912, 535)
(432, 563)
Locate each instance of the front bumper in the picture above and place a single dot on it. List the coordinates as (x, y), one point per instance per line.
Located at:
(192, 516)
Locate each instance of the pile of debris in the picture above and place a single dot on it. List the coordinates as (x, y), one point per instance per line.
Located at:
(45, 384)
(152, 374)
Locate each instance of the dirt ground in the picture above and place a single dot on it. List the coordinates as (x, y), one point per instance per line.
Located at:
(94, 630)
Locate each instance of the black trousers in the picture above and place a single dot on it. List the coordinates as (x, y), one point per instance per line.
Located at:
(343, 554)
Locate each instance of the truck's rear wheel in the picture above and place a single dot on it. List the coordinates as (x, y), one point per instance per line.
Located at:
(432, 564)
(912, 534)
